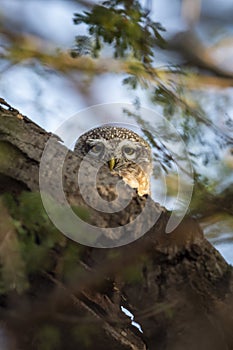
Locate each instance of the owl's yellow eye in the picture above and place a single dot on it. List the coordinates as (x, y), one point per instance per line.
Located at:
(97, 149)
(129, 151)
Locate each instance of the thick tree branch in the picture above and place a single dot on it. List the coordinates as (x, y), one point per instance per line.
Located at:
(177, 285)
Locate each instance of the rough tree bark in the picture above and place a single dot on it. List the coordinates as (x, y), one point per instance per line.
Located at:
(177, 285)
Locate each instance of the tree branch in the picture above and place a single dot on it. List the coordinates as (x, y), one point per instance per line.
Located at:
(177, 285)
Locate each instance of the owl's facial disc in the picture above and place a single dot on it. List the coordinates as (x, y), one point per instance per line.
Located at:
(115, 153)
(120, 150)
(123, 151)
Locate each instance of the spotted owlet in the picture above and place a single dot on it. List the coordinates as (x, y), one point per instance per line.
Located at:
(125, 152)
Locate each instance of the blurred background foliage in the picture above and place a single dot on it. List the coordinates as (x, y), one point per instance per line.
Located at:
(57, 57)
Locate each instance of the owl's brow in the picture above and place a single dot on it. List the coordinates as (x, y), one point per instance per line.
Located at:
(131, 143)
(94, 141)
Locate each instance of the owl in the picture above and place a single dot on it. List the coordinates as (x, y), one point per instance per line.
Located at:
(125, 153)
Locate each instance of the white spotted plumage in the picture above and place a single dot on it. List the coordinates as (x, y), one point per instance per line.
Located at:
(129, 152)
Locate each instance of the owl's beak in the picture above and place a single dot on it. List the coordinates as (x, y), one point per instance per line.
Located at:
(111, 163)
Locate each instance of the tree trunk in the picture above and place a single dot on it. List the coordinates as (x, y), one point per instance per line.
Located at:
(178, 287)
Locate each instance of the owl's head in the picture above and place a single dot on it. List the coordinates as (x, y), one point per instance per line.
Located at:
(125, 152)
